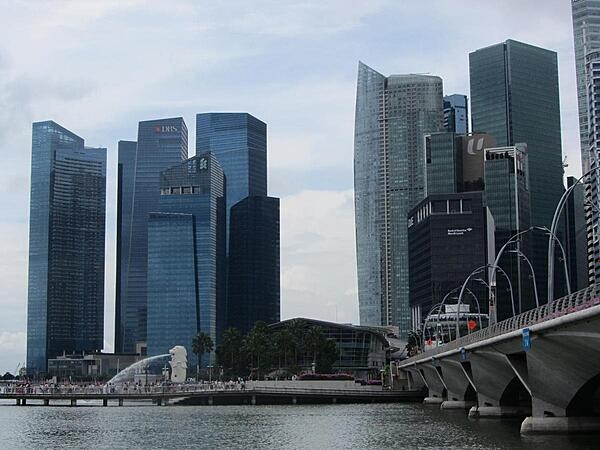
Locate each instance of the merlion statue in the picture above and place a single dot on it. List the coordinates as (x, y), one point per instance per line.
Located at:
(178, 364)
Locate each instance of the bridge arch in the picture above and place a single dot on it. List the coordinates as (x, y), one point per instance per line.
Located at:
(515, 394)
(586, 402)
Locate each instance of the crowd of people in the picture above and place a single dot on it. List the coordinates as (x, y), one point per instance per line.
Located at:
(131, 388)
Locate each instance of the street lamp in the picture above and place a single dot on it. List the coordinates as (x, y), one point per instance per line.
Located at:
(535, 291)
(492, 281)
(458, 311)
(554, 226)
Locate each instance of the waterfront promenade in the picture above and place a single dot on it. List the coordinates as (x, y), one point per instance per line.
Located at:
(217, 393)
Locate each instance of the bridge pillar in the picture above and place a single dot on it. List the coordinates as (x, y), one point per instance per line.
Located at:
(253, 400)
(18, 402)
(159, 401)
(334, 400)
(73, 402)
(210, 401)
(500, 392)
(24, 402)
(105, 402)
(564, 371)
(294, 401)
(415, 380)
(46, 401)
(432, 377)
(120, 402)
(461, 394)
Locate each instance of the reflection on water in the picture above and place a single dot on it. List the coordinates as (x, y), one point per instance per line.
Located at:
(295, 426)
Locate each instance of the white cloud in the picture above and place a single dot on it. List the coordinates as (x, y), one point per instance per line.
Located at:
(318, 257)
(12, 350)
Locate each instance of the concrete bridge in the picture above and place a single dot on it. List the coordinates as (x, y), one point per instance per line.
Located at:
(543, 365)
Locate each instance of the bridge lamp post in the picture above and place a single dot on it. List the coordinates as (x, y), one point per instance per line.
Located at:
(526, 259)
(557, 213)
(494, 267)
(554, 237)
(435, 307)
(458, 311)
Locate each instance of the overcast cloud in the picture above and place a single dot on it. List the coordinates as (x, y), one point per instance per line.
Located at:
(99, 67)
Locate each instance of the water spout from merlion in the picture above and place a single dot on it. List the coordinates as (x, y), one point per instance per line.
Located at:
(143, 370)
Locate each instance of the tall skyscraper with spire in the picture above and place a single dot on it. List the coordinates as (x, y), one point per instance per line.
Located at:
(393, 114)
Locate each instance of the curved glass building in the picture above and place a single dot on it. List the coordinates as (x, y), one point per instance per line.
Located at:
(393, 114)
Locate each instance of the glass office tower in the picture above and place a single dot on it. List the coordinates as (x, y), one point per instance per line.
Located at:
(456, 113)
(586, 33)
(515, 98)
(161, 144)
(393, 114)
(125, 186)
(253, 278)
(65, 307)
(186, 256)
(239, 142)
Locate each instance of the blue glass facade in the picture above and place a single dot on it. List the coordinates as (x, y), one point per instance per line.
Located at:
(456, 113)
(161, 144)
(186, 256)
(65, 308)
(239, 142)
(125, 185)
(253, 279)
(393, 114)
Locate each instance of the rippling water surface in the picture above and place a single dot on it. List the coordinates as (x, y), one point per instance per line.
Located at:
(375, 426)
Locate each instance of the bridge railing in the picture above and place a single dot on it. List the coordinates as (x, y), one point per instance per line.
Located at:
(577, 301)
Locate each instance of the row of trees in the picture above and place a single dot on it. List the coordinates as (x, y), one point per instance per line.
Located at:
(286, 351)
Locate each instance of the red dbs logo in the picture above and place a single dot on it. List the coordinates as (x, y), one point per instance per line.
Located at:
(157, 129)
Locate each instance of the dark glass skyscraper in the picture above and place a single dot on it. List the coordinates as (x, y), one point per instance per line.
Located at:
(456, 113)
(125, 186)
(515, 98)
(239, 142)
(186, 256)
(393, 114)
(161, 144)
(65, 308)
(450, 235)
(253, 279)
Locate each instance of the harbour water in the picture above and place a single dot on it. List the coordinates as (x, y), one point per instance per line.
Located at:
(363, 426)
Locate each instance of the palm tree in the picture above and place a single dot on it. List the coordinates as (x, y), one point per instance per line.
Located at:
(201, 344)
(297, 329)
(314, 338)
(228, 352)
(257, 343)
(285, 342)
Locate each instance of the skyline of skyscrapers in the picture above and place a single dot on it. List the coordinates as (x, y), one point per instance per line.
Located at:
(65, 305)
(392, 116)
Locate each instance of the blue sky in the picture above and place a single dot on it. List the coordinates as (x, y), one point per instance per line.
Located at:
(99, 67)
